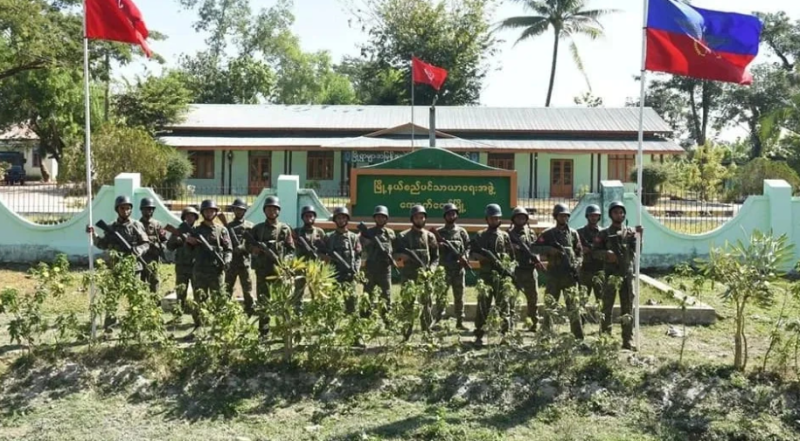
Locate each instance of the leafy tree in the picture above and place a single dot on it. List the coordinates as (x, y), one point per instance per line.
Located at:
(567, 19)
(749, 179)
(452, 35)
(782, 37)
(587, 99)
(653, 176)
(153, 102)
(703, 172)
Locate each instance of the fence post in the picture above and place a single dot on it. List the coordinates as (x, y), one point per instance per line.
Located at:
(288, 189)
(610, 191)
(126, 184)
(779, 193)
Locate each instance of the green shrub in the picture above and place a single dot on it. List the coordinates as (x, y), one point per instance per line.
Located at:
(653, 176)
(179, 168)
(749, 178)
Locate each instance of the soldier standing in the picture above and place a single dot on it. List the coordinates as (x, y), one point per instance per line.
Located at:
(184, 254)
(344, 251)
(562, 246)
(270, 242)
(240, 265)
(453, 257)
(420, 251)
(497, 242)
(209, 264)
(158, 238)
(616, 246)
(132, 231)
(521, 236)
(591, 266)
(378, 246)
(311, 235)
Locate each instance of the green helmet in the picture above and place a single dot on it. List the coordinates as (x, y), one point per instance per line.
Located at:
(560, 209)
(341, 210)
(147, 203)
(208, 204)
(448, 208)
(616, 204)
(380, 209)
(493, 210)
(519, 211)
(238, 203)
(122, 200)
(272, 201)
(417, 209)
(307, 209)
(189, 210)
(592, 209)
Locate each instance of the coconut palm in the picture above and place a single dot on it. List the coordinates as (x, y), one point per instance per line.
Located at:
(567, 18)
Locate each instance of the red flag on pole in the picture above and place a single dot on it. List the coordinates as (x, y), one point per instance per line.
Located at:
(427, 73)
(116, 20)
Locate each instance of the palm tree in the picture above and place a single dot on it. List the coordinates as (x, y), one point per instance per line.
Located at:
(567, 18)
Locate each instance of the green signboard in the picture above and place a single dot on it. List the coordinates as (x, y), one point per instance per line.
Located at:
(431, 177)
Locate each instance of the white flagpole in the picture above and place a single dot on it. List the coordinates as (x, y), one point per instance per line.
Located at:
(412, 102)
(639, 189)
(88, 152)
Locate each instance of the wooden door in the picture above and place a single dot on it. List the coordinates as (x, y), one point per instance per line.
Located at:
(561, 174)
(260, 172)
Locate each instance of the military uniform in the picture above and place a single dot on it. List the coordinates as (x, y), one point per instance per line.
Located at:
(379, 267)
(525, 272)
(622, 242)
(423, 243)
(347, 245)
(498, 242)
(157, 237)
(184, 262)
(276, 237)
(459, 240)
(564, 258)
(208, 273)
(240, 264)
(591, 265)
(311, 234)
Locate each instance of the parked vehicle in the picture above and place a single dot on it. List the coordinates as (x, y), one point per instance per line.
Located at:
(15, 174)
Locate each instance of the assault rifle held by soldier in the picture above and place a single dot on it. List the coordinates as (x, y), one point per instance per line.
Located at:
(116, 237)
(414, 256)
(304, 243)
(362, 228)
(498, 266)
(203, 242)
(462, 259)
(323, 249)
(526, 250)
(271, 256)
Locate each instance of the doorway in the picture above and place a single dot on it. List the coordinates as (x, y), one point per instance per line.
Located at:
(561, 174)
(260, 171)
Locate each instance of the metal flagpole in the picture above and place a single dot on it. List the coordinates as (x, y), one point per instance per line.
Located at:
(412, 102)
(640, 164)
(88, 152)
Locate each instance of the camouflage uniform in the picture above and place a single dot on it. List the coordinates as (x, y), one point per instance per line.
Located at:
(240, 264)
(184, 262)
(157, 237)
(459, 239)
(498, 242)
(278, 238)
(591, 265)
(311, 234)
(525, 273)
(564, 252)
(347, 245)
(379, 268)
(624, 246)
(423, 243)
(208, 274)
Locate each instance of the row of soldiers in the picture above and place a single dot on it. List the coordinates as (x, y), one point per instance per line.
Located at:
(210, 257)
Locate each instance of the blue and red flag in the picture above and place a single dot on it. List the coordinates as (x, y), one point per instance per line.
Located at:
(700, 43)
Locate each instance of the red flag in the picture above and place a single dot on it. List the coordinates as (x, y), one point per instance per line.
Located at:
(427, 73)
(116, 20)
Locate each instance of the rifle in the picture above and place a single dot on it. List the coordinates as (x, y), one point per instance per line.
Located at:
(271, 256)
(505, 272)
(203, 242)
(526, 250)
(362, 228)
(336, 256)
(122, 243)
(567, 262)
(413, 255)
(462, 260)
(304, 243)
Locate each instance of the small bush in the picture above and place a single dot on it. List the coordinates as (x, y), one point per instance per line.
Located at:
(749, 179)
(179, 168)
(653, 175)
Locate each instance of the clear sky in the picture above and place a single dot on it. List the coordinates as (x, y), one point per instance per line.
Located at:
(520, 74)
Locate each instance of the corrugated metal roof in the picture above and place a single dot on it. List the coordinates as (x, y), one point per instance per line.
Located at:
(365, 143)
(448, 118)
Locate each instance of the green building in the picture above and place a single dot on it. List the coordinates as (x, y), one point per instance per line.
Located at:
(557, 152)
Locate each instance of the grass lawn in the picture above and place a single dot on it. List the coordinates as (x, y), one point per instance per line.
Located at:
(449, 391)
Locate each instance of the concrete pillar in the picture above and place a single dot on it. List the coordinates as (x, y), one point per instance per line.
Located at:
(288, 188)
(610, 191)
(126, 184)
(779, 193)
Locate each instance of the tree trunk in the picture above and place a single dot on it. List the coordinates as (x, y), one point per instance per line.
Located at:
(695, 118)
(706, 104)
(755, 137)
(553, 68)
(108, 87)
